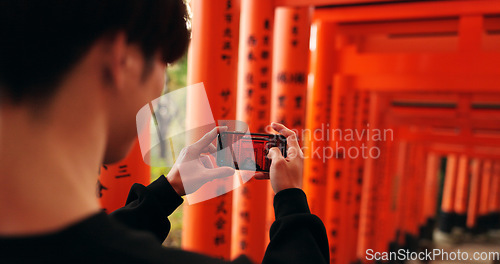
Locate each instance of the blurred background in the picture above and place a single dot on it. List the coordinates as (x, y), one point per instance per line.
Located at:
(397, 108)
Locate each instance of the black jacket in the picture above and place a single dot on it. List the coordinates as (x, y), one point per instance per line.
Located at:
(133, 234)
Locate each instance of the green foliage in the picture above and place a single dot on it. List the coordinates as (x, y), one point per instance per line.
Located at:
(176, 78)
(177, 74)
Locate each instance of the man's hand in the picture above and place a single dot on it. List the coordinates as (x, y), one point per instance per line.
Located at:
(286, 173)
(197, 169)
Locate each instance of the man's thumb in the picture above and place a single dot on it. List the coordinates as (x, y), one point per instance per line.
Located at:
(274, 153)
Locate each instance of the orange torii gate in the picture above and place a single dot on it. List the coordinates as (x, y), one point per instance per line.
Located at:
(364, 54)
(459, 146)
(423, 70)
(397, 48)
(417, 149)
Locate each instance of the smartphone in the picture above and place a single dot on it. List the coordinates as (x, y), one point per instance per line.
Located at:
(243, 151)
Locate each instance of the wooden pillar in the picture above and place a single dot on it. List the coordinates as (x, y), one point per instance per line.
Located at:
(254, 93)
(116, 179)
(289, 76)
(483, 210)
(213, 59)
(462, 192)
(475, 193)
(318, 115)
(447, 219)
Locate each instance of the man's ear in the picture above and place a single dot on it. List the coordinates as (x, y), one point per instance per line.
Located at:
(114, 62)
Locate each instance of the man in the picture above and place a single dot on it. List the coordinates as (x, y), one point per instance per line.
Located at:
(73, 75)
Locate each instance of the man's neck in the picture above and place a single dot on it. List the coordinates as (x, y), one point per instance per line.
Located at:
(49, 169)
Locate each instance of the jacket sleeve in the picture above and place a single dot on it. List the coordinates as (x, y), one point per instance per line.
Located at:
(148, 208)
(297, 236)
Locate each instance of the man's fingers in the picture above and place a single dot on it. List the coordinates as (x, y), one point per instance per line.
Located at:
(210, 149)
(261, 175)
(291, 138)
(201, 144)
(206, 161)
(218, 173)
(275, 154)
(247, 175)
(285, 131)
(292, 153)
(292, 142)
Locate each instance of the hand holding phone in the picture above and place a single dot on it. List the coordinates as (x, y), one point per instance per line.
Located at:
(196, 168)
(286, 172)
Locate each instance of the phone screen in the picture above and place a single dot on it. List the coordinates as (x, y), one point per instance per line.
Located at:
(243, 151)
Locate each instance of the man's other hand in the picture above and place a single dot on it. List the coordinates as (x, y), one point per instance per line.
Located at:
(286, 173)
(197, 168)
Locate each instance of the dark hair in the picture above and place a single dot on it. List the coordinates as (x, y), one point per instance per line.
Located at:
(40, 41)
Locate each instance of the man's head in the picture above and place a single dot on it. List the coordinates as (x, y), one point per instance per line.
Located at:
(43, 43)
